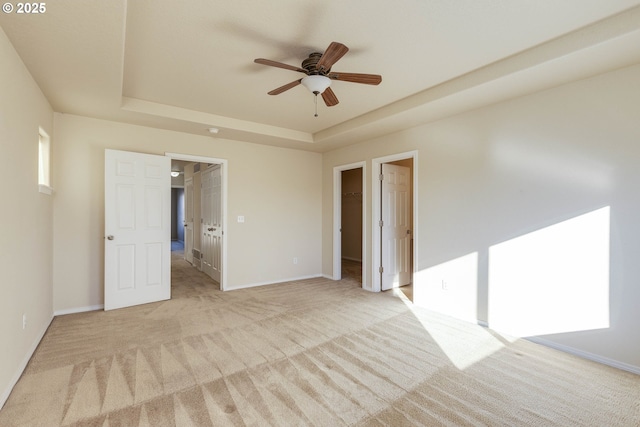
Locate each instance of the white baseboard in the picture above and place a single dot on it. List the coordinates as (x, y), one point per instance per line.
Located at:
(580, 353)
(586, 355)
(23, 364)
(292, 279)
(78, 310)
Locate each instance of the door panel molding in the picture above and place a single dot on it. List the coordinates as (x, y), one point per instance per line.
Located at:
(396, 226)
(376, 205)
(211, 221)
(137, 227)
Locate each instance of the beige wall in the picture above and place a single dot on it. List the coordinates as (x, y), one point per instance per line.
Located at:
(25, 218)
(499, 172)
(277, 190)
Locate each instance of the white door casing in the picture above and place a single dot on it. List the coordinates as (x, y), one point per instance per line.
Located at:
(188, 220)
(396, 226)
(137, 229)
(211, 201)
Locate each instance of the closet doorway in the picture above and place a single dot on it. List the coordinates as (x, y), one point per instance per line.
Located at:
(349, 263)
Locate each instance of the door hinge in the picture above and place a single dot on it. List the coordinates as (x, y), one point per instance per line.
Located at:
(381, 223)
(380, 269)
(381, 177)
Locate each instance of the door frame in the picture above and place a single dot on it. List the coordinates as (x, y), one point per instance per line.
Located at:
(376, 206)
(224, 173)
(337, 221)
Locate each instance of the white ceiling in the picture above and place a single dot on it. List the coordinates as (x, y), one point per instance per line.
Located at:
(188, 65)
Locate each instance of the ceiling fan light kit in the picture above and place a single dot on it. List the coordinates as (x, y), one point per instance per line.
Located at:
(316, 84)
(317, 68)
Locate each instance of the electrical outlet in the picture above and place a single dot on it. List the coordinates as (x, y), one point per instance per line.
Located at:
(295, 260)
(445, 285)
(24, 321)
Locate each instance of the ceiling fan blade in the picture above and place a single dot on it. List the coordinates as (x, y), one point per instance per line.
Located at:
(334, 52)
(329, 97)
(284, 87)
(279, 65)
(368, 79)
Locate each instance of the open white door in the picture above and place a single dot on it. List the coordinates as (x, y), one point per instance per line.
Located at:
(396, 226)
(212, 222)
(188, 220)
(137, 229)
(216, 223)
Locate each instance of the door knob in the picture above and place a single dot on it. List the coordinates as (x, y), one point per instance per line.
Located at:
(109, 237)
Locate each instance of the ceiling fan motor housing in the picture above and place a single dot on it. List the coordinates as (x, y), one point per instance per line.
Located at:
(311, 64)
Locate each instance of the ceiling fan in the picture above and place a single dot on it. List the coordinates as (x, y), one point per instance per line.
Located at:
(317, 68)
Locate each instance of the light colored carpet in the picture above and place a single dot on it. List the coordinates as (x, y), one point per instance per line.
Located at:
(313, 352)
(352, 271)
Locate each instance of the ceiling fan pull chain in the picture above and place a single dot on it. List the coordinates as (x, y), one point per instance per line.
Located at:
(315, 100)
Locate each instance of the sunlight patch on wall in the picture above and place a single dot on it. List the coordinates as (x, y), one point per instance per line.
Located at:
(450, 288)
(553, 280)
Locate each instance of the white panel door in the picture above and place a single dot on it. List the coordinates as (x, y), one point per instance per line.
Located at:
(211, 200)
(396, 226)
(216, 223)
(206, 206)
(188, 219)
(137, 229)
